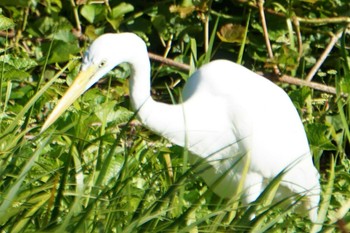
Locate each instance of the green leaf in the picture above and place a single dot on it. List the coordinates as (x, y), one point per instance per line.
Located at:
(287, 58)
(317, 136)
(120, 10)
(93, 13)
(335, 121)
(107, 112)
(65, 35)
(44, 25)
(117, 14)
(231, 33)
(160, 24)
(17, 62)
(6, 23)
(14, 74)
(61, 51)
(15, 67)
(299, 96)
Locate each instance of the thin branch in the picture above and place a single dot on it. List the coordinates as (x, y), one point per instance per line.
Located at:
(168, 61)
(319, 21)
(266, 35)
(283, 78)
(206, 32)
(324, 55)
(313, 85)
(8, 34)
(168, 45)
(76, 16)
(298, 34)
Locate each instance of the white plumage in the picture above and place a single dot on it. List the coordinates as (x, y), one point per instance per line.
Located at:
(228, 114)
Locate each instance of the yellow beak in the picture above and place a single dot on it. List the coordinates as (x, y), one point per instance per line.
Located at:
(75, 90)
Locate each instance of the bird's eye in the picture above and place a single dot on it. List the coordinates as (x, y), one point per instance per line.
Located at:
(102, 64)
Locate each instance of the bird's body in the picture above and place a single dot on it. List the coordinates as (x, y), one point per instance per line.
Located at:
(228, 116)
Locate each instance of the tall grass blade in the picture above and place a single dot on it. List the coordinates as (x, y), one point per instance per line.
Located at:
(79, 192)
(326, 200)
(12, 192)
(22, 224)
(244, 40)
(30, 111)
(264, 199)
(32, 101)
(208, 54)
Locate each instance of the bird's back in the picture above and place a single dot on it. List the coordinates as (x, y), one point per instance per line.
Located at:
(256, 109)
(252, 116)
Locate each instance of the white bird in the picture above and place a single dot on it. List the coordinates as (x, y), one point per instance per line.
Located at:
(229, 116)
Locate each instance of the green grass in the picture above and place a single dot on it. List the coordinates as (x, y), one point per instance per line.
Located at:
(79, 177)
(97, 169)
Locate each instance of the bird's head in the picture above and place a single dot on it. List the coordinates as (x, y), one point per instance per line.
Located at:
(104, 54)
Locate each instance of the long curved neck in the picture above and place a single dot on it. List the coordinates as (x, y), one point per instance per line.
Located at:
(161, 118)
(139, 83)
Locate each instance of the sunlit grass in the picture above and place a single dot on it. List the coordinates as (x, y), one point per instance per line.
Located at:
(78, 180)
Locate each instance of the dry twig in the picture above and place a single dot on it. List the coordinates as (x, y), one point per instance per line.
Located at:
(266, 35)
(324, 55)
(283, 78)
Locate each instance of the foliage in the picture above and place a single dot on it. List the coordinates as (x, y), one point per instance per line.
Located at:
(99, 170)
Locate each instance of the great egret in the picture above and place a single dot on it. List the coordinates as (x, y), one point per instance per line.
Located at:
(229, 115)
